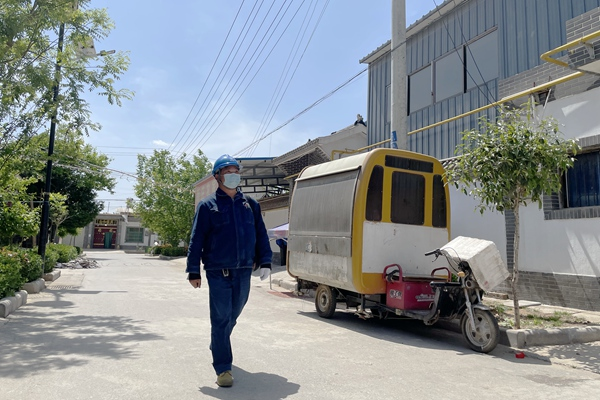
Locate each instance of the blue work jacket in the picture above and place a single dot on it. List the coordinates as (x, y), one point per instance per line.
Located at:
(228, 233)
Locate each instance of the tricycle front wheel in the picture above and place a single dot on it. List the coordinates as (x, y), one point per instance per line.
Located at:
(484, 338)
(325, 301)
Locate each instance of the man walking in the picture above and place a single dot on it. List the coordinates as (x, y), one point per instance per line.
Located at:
(230, 239)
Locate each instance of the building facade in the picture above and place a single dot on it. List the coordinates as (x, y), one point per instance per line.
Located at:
(122, 231)
(472, 54)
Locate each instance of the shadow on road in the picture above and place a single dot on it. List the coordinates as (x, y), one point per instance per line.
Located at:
(45, 335)
(260, 385)
(410, 332)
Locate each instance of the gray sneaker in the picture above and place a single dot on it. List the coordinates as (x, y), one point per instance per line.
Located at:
(225, 379)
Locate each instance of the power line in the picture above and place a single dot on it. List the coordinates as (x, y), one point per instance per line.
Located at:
(209, 74)
(276, 106)
(222, 73)
(207, 135)
(304, 111)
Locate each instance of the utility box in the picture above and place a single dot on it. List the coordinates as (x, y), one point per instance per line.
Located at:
(483, 258)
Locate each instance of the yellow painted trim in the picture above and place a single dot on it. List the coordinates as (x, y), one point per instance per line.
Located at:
(547, 56)
(373, 283)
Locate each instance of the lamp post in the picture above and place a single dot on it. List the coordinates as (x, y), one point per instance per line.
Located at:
(47, 187)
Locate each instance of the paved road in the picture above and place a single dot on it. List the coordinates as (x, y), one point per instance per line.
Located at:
(135, 329)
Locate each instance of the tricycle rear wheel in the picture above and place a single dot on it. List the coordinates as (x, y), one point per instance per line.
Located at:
(325, 301)
(484, 338)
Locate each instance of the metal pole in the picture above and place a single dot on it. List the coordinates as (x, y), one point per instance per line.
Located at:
(399, 93)
(46, 203)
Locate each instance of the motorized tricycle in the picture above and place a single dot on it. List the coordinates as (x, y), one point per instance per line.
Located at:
(450, 299)
(358, 229)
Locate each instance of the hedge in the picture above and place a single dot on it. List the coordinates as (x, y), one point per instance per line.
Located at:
(173, 251)
(18, 266)
(11, 279)
(65, 252)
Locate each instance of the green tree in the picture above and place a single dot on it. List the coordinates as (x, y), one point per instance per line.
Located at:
(59, 212)
(164, 189)
(17, 218)
(78, 174)
(29, 54)
(511, 162)
(30, 51)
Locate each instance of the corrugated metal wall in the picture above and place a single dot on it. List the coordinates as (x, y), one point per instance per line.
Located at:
(526, 29)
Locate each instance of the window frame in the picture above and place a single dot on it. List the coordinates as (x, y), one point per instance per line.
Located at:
(128, 232)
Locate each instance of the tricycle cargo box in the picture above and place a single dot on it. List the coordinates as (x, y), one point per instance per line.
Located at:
(483, 258)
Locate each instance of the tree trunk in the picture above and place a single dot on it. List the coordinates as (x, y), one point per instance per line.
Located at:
(515, 274)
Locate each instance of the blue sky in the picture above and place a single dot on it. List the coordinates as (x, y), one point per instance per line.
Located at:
(173, 47)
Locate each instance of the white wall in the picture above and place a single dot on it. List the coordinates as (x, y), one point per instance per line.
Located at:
(273, 218)
(567, 246)
(577, 115)
(466, 220)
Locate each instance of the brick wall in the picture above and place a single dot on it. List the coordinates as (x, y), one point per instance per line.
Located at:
(573, 291)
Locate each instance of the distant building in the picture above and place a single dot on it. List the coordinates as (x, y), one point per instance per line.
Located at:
(113, 231)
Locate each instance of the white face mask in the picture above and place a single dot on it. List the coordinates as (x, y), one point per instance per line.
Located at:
(232, 181)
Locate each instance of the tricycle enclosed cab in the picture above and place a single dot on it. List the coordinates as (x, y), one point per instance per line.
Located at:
(351, 217)
(359, 228)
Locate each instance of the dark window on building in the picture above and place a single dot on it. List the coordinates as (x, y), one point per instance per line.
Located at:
(583, 181)
(438, 218)
(408, 163)
(134, 235)
(375, 194)
(449, 74)
(408, 198)
(419, 89)
(482, 60)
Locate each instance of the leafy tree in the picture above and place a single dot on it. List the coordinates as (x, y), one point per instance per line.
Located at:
(17, 218)
(164, 189)
(79, 173)
(59, 212)
(29, 53)
(512, 162)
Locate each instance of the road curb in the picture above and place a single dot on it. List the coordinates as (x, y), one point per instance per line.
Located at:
(10, 304)
(35, 286)
(523, 338)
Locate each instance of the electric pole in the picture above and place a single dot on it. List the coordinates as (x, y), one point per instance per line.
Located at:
(399, 93)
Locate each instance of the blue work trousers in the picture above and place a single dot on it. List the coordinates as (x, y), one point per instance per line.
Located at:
(228, 294)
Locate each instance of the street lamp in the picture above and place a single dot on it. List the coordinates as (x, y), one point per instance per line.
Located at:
(47, 187)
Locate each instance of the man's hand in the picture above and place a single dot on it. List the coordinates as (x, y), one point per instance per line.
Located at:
(195, 282)
(265, 271)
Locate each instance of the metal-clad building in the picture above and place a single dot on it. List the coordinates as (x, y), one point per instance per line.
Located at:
(456, 56)
(468, 54)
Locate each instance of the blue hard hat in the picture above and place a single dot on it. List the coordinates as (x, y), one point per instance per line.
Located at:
(224, 161)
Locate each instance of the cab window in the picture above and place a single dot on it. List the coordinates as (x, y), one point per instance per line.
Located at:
(375, 195)
(408, 198)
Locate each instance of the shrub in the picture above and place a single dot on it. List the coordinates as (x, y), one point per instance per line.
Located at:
(51, 259)
(31, 264)
(174, 251)
(11, 279)
(66, 253)
(157, 250)
(78, 250)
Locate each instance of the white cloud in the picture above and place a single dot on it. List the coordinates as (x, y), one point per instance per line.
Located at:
(160, 143)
